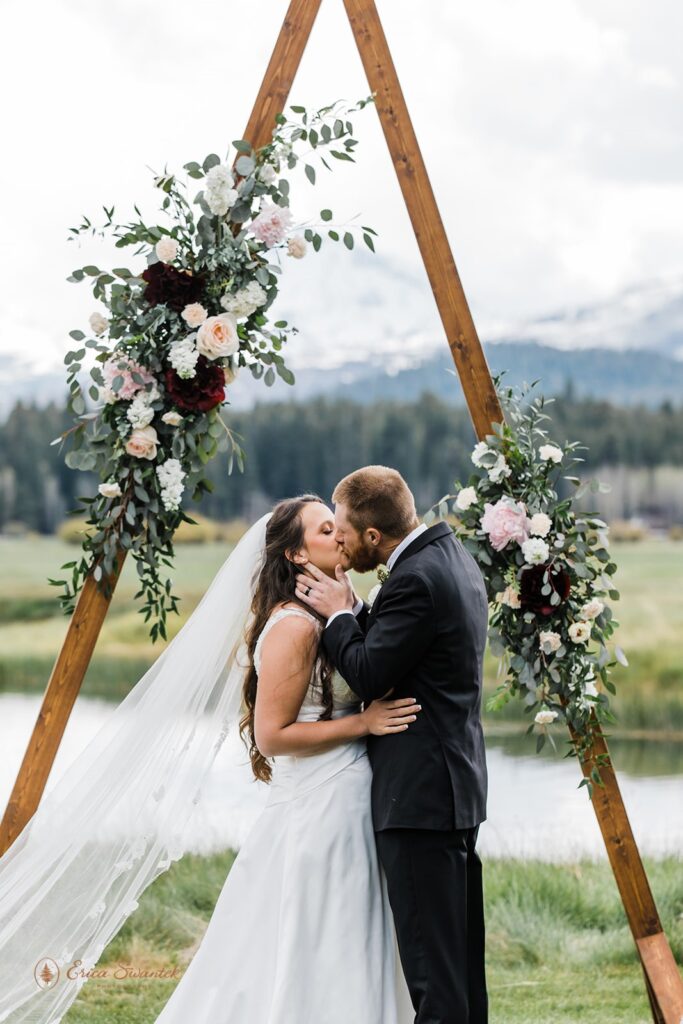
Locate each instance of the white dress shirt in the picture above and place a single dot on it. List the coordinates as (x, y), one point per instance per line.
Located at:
(390, 562)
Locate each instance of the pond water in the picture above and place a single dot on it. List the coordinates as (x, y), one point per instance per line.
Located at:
(534, 810)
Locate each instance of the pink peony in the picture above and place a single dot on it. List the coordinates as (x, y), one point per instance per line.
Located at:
(505, 521)
(110, 371)
(271, 224)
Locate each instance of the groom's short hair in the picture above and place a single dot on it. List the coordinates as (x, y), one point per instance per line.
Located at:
(377, 496)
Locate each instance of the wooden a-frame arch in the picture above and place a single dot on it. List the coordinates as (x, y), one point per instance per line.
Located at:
(663, 981)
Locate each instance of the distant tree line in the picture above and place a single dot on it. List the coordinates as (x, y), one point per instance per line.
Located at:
(294, 447)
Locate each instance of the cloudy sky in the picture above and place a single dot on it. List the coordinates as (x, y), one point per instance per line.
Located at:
(551, 133)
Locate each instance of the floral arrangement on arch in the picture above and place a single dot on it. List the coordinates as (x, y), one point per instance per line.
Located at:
(174, 334)
(548, 574)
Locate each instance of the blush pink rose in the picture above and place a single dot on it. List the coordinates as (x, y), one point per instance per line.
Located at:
(142, 443)
(218, 337)
(505, 521)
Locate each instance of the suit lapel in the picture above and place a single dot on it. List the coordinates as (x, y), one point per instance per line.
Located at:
(427, 537)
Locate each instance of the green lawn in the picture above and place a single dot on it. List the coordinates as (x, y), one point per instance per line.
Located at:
(558, 947)
(32, 628)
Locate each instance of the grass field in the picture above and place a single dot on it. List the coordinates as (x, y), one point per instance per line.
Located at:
(650, 611)
(558, 947)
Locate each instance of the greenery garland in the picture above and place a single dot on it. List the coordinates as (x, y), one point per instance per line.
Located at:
(177, 332)
(548, 574)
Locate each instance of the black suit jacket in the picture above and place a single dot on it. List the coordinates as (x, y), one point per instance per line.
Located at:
(425, 635)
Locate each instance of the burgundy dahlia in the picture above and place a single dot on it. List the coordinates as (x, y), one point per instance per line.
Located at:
(199, 393)
(177, 288)
(530, 596)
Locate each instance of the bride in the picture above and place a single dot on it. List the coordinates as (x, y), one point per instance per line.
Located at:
(302, 930)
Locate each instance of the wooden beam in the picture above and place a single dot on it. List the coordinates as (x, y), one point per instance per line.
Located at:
(62, 689)
(468, 355)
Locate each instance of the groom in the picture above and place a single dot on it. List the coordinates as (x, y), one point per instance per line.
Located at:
(424, 637)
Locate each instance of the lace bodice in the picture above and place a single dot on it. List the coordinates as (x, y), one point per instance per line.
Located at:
(344, 698)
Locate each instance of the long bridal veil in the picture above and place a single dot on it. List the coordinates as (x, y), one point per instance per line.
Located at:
(123, 810)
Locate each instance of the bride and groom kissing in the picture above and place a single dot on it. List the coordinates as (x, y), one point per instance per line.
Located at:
(357, 895)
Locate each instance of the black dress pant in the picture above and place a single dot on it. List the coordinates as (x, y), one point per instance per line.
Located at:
(434, 881)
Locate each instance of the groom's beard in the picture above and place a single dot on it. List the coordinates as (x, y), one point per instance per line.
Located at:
(361, 559)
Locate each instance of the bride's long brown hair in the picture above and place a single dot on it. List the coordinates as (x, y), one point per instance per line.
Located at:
(276, 584)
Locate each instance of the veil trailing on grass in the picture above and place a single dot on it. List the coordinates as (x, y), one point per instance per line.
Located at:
(124, 809)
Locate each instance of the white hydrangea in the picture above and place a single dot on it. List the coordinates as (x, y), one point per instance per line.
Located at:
(245, 301)
(171, 477)
(499, 470)
(535, 551)
(545, 717)
(218, 191)
(550, 453)
(466, 497)
(183, 357)
(540, 524)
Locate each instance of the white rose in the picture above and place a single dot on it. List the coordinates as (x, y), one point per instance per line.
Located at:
(499, 470)
(108, 396)
(592, 608)
(549, 641)
(174, 419)
(110, 489)
(297, 246)
(481, 448)
(166, 249)
(510, 597)
(545, 717)
(550, 453)
(98, 323)
(466, 497)
(267, 174)
(373, 593)
(535, 551)
(540, 524)
(218, 336)
(194, 315)
(580, 632)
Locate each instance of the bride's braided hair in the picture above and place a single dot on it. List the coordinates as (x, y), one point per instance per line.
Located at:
(276, 584)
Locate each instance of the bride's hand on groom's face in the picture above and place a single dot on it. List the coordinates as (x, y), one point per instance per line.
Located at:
(322, 593)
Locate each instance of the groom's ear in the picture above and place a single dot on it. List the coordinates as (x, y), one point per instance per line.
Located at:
(373, 536)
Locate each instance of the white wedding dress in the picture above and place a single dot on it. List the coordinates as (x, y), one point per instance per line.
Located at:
(302, 932)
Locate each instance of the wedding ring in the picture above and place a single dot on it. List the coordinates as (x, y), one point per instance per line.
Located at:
(307, 591)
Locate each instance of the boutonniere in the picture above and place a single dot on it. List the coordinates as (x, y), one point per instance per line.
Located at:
(382, 576)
